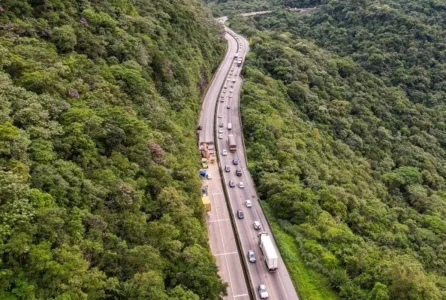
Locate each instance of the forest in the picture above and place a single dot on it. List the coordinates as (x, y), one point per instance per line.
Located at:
(343, 113)
(99, 196)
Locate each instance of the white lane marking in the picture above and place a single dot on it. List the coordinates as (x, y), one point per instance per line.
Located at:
(216, 194)
(229, 253)
(241, 295)
(219, 220)
(224, 250)
(283, 287)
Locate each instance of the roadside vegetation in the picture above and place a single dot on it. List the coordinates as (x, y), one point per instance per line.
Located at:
(99, 196)
(349, 154)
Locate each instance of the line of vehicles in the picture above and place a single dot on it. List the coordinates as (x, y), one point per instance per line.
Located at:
(265, 244)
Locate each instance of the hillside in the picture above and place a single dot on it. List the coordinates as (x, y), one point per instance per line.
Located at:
(99, 197)
(402, 41)
(350, 168)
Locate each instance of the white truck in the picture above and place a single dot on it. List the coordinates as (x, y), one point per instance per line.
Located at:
(269, 252)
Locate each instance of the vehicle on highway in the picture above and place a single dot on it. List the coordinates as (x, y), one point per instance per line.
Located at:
(229, 126)
(234, 80)
(241, 185)
(231, 183)
(251, 256)
(248, 203)
(238, 172)
(221, 124)
(220, 130)
(222, 99)
(240, 214)
(225, 87)
(256, 225)
(220, 135)
(224, 91)
(232, 144)
(235, 161)
(227, 168)
(228, 106)
(224, 152)
(268, 251)
(220, 115)
(263, 292)
(199, 127)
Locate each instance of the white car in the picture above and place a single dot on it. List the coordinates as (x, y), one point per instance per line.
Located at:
(224, 152)
(220, 115)
(220, 136)
(241, 185)
(256, 225)
(220, 130)
(209, 176)
(263, 292)
(248, 203)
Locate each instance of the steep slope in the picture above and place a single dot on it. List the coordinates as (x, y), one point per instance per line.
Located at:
(99, 197)
(351, 168)
(402, 41)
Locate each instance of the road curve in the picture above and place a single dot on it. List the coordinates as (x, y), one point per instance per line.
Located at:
(279, 284)
(221, 233)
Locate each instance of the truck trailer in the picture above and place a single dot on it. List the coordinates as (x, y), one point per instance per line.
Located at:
(231, 142)
(269, 252)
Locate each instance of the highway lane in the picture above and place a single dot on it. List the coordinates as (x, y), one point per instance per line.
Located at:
(279, 284)
(221, 233)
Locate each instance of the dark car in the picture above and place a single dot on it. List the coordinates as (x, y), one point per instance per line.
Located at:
(199, 127)
(227, 168)
(235, 161)
(231, 183)
(238, 172)
(240, 214)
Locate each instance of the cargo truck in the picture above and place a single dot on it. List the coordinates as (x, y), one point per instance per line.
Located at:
(269, 252)
(231, 142)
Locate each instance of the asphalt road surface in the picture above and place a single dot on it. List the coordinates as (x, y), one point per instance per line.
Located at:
(279, 284)
(221, 233)
(227, 83)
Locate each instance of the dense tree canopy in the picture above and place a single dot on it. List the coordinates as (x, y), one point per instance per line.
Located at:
(98, 193)
(353, 168)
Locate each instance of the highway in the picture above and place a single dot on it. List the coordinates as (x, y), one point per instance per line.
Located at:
(227, 82)
(221, 234)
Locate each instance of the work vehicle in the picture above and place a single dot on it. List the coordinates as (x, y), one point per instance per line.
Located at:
(231, 143)
(238, 172)
(263, 292)
(251, 256)
(224, 152)
(240, 214)
(235, 161)
(241, 185)
(227, 168)
(231, 183)
(256, 225)
(229, 126)
(248, 203)
(269, 252)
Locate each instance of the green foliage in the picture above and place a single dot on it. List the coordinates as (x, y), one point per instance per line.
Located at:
(351, 169)
(98, 194)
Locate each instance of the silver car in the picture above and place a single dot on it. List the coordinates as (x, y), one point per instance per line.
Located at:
(251, 256)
